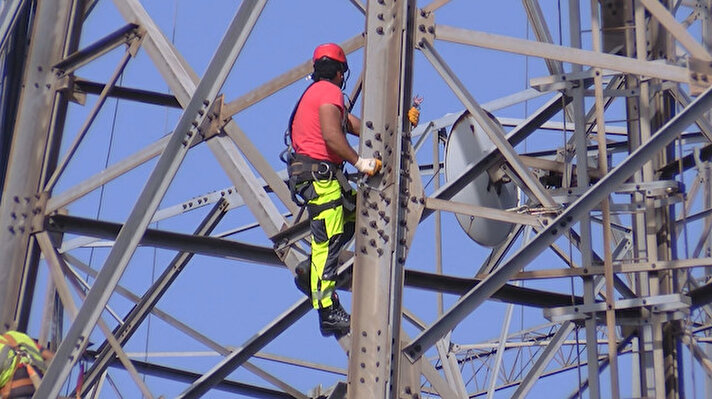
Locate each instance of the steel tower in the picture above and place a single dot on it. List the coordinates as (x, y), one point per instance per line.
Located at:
(143, 199)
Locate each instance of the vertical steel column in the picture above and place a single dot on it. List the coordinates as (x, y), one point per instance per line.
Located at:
(645, 286)
(660, 228)
(638, 374)
(33, 153)
(653, 230)
(670, 281)
(582, 179)
(605, 208)
(382, 204)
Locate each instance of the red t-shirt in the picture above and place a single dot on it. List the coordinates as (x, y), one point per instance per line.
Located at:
(306, 128)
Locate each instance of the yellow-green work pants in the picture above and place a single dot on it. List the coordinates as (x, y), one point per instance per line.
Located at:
(331, 229)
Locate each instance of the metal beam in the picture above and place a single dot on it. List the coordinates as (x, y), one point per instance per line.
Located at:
(470, 301)
(182, 80)
(482, 211)
(300, 71)
(383, 201)
(541, 30)
(10, 11)
(38, 127)
(494, 131)
(699, 353)
(566, 54)
(433, 376)
(139, 312)
(130, 235)
(127, 93)
(88, 185)
(76, 60)
(684, 99)
(543, 360)
(516, 136)
(499, 351)
(57, 269)
(169, 240)
(218, 373)
(226, 385)
(160, 314)
(507, 293)
(128, 54)
(677, 30)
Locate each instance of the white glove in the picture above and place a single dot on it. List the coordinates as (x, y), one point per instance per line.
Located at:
(369, 166)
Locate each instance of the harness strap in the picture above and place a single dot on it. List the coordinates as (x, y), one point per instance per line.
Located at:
(4, 356)
(304, 164)
(10, 344)
(19, 383)
(314, 210)
(343, 181)
(288, 154)
(9, 386)
(306, 169)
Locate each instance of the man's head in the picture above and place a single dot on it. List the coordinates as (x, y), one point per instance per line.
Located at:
(330, 63)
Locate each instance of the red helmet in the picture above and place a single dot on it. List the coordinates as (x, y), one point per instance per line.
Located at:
(329, 50)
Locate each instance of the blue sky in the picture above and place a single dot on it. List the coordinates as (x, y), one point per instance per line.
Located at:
(228, 300)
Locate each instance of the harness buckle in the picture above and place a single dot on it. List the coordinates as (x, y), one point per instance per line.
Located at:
(324, 171)
(325, 166)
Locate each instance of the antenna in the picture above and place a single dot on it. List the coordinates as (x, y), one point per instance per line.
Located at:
(466, 144)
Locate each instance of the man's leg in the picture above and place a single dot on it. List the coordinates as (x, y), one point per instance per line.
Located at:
(327, 227)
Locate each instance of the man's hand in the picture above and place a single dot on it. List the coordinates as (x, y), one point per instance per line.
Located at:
(414, 111)
(369, 166)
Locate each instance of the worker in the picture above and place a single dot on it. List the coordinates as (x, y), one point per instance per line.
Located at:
(317, 137)
(23, 365)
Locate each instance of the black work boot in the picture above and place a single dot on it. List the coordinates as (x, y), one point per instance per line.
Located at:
(334, 320)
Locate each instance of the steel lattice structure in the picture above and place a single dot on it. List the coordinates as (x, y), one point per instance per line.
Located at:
(607, 261)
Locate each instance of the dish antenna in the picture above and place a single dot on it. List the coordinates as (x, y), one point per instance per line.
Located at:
(466, 144)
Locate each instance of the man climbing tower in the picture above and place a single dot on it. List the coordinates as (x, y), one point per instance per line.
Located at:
(317, 131)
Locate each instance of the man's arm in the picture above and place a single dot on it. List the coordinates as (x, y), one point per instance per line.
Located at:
(330, 120)
(353, 124)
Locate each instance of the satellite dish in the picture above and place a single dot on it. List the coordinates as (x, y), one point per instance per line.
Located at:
(468, 143)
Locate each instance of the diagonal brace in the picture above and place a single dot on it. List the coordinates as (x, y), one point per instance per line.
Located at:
(494, 131)
(78, 335)
(581, 207)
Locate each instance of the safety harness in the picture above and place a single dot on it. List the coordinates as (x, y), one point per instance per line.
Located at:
(23, 355)
(302, 168)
